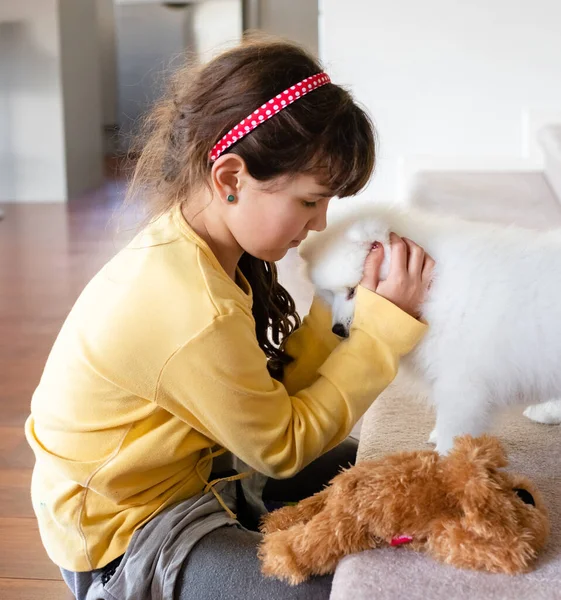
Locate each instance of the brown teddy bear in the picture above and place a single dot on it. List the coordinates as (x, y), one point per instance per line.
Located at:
(459, 508)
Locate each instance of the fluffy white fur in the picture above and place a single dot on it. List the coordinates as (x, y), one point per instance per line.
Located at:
(494, 310)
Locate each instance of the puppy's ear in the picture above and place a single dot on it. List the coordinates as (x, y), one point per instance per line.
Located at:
(326, 295)
(368, 231)
(357, 236)
(470, 470)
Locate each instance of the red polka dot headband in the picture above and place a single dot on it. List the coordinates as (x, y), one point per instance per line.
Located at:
(268, 110)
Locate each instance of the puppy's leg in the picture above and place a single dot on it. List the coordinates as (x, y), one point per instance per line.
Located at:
(432, 437)
(546, 412)
(461, 408)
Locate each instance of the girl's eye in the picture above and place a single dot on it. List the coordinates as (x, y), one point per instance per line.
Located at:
(351, 293)
(309, 204)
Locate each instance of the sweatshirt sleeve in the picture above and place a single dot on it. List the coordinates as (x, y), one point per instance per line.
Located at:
(219, 384)
(309, 346)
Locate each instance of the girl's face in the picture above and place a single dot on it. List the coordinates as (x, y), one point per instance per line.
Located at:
(268, 218)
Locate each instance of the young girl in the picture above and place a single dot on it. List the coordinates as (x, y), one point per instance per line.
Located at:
(185, 345)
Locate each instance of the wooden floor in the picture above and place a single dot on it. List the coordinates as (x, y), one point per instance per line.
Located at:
(47, 254)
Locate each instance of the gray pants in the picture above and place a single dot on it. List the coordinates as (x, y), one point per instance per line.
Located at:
(222, 564)
(230, 553)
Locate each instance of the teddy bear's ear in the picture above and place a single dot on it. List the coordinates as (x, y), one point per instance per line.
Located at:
(470, 467)
(485, 452)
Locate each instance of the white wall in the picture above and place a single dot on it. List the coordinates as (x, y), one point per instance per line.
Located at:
(50, 123)
(149, 37)
(108, 60)
(152, 39)
(296, 20)
(449, 84)
(82, 98)
(32, 165)
(217, 26)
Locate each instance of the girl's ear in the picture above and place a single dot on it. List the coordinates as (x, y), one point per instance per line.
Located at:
(227, 175)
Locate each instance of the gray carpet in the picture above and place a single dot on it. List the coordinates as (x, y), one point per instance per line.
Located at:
(400, 420)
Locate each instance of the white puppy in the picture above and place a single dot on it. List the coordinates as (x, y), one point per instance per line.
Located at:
(494, 310)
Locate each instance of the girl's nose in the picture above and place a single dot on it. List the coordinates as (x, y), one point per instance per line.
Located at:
(319, 222)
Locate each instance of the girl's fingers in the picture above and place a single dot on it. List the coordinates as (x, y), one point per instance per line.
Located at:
(372, 266)
(428, 267)
(398, 255)
(416, 258)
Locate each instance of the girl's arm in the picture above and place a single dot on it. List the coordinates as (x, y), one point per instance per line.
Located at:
(219, 384)
(309, 346)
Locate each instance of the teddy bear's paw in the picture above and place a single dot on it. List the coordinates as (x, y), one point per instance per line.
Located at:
(278, 520)
(278, 560)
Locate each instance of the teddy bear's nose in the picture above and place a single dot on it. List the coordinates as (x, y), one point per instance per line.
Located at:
(525, 496)
(339, 329)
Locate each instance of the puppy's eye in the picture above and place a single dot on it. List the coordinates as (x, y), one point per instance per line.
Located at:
(351, 293)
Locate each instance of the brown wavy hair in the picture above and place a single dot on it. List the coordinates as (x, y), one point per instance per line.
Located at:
(324, 133)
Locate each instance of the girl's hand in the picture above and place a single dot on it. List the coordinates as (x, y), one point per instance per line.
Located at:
(409, 277)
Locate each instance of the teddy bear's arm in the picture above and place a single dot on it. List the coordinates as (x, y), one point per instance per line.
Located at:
(313, 548)
(285, 517)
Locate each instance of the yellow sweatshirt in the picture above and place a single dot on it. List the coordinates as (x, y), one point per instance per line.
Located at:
(157, 363)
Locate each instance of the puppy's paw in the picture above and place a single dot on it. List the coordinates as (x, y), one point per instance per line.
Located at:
(278, 559)
(444, 446)
(432, 437)
(548, 413)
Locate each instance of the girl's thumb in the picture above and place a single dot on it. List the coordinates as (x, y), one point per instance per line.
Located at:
(372, 265)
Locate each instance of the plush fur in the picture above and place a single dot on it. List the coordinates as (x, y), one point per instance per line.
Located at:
(461, 509)
(494, 310)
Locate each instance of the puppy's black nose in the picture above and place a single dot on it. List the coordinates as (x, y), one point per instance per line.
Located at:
(340, 330)
(525, 496)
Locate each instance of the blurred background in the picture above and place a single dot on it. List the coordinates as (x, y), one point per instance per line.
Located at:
(466, 97)
(450, 85)
(76, 75)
